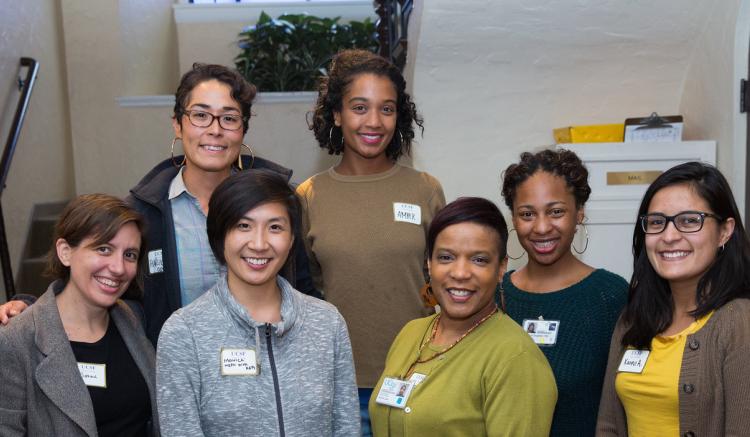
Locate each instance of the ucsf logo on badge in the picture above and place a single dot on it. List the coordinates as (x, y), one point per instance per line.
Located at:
(407, 212)
(238, 362)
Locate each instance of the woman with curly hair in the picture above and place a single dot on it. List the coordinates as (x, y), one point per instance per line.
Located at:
(365, 219)
(573, 306)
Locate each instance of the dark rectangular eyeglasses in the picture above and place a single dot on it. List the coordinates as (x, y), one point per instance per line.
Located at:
(686, 221)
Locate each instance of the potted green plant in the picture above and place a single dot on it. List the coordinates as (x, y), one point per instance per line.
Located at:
(291, 52)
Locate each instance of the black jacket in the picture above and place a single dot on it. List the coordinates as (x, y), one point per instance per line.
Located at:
(161, 290)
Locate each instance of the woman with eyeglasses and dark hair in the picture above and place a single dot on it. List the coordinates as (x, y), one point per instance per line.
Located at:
(366, 218)
(679, 363)
(568, 307)
(469, 370)
(211, 117)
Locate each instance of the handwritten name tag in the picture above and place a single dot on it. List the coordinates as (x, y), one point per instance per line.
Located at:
(633, 361)
(94, 375)
(407, 212)
(239, 362)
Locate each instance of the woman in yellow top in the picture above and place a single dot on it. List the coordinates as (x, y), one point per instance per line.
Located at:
(470, 370)
(679, 363)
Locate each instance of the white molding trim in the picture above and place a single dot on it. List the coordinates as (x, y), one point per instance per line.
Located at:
(167, 100)
(145, 101)
(248, 12)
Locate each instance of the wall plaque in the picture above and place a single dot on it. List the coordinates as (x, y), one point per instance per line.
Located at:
(632, 177)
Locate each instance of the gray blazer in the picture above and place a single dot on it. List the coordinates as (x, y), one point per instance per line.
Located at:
(41, 389)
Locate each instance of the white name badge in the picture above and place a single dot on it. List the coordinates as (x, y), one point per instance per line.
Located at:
(239, 362)
(94, 375)
(543, 332)
(155, 262)
(394, 392)
(407, 212)
(416, 378)
(633, 361)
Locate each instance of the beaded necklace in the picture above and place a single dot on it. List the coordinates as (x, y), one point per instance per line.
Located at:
(432, 337)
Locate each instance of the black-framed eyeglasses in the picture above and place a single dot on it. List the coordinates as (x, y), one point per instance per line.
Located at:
(200, 118)
(686, 221)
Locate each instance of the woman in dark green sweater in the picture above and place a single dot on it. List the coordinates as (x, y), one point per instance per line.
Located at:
(572, 306)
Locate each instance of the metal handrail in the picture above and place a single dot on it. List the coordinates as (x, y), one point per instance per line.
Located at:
(25, 85)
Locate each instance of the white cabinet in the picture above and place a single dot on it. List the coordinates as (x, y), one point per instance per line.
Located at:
(619, 174)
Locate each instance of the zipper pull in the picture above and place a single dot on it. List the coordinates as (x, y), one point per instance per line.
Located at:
(268, 330)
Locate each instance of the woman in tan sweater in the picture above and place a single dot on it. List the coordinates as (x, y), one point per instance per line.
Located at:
(365, 219)
(679, 363)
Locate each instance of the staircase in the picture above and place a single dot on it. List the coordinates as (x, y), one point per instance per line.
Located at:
(31, 279)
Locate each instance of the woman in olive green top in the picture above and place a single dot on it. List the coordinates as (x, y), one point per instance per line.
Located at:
(470, 370)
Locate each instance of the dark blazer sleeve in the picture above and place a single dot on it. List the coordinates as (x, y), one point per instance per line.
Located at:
(28, 299)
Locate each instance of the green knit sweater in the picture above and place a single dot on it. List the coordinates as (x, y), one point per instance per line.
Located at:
(587, 312)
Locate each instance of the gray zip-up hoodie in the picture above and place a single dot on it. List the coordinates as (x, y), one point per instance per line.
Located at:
(306, 385)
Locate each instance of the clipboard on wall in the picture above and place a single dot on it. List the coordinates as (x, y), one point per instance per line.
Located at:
(653, 128)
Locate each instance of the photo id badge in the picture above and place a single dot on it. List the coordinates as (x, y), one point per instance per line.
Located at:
(394, 392)
(94, 375)
(633, 361)
(543, 332)
(239, 362)
(407, 212)
(155, 262)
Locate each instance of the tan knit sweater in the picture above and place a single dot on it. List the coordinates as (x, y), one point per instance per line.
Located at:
(714, 384)
(366, 263)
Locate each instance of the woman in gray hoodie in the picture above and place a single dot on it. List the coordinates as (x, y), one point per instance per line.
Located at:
(253, 356)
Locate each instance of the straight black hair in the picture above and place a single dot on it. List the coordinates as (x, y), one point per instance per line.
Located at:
(238, 194)
(650, 305)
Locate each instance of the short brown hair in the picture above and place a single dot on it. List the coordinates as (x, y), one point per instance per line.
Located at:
(96, 216)
(240, 89)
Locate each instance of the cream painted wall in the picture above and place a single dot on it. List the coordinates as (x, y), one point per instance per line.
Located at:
(148, 41)
(493, 79)
(41, 169)
(497, 87)
(709, 102)
(111, 52)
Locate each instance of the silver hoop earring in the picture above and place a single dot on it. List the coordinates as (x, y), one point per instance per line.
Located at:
(509, 255)
(330, 139)
(252, 156)
(400, 138)
(586, 246)
(171, 152)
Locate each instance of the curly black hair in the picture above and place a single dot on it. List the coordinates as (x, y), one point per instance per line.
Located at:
(345, 66)
(561, 162)
(241, 90)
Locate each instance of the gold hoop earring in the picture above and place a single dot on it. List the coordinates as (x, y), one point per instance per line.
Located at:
(239, 157)
(171, 152)
(511, 256)
(586, 246)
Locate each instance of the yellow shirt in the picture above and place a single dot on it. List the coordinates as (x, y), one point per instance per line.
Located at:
(651, 398)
